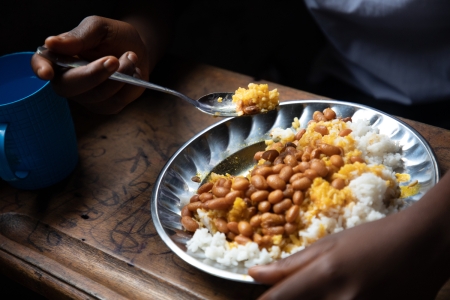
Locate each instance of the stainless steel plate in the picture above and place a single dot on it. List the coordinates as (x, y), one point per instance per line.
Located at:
(228, 147)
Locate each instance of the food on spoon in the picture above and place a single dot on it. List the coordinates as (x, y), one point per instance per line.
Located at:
(308, 183)
(256, 99)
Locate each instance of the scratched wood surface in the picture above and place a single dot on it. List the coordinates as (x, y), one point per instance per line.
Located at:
(92, 236)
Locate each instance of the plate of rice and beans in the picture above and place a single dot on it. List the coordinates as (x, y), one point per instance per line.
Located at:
(255, 189)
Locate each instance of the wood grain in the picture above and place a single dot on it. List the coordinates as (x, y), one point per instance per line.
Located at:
(92, 236)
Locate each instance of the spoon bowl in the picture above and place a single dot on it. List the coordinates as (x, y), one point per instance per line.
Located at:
(216, 104)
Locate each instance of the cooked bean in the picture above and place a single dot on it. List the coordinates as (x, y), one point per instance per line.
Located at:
(306, 156)
(205, 188)
(245, 228)
(240, 183)
(263, 171)
(345, 132)
(298, 155)
(266, 242)
(231, 196)
(290, 228)
(221, 225)
(311, 174)
(303, 166)
(269, 220)
(233, 227)
(275, 182)
(251, 211)
(285, 173)
(194, 198)
(291, 150)
(259, 182)
(329, 150)
(275, 196)
(290, 160)
(346, 119)
(264, 206)
(329, 114)
(322, 129)
(276, 230)
(219, 203)
(318, 116)
(189, 224)
(338, 183)
(258, 155)
(270, 155)
(220, 191)
(278, 160)
(296, 176)
(259, 196)
(320, 167)
(257, 238)
(255, 221)
(277, 168)
(337, 160)
(316, 153)
(292, 213)
(251, 189)
(194, 206)
(242, 240)
(302, 183)
(289, 191)
(205, 196)
(298, 197)
(231, 236)
(251, 110)
(185, 212)
(282, 206)
(354, 159)
(299, 134)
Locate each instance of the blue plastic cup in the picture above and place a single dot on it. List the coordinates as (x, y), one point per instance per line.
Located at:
(38, 145)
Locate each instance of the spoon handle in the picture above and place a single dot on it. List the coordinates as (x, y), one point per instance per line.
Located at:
(74, 62)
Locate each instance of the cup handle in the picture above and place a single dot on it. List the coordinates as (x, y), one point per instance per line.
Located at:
(5, 171)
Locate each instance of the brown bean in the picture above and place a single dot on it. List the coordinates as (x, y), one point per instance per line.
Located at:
(329, 114)
(318, 116)
(290, 228)
(301, 184)
(266, 241)
(276, 230)
(257, 238)
(264, 206)
(186, 212)
(269, 220)
(270, 155)
(205, 196)
(298, 156)
(345, 132)
(219, 203)
(245, 228)
(354, 159)
(194, 198)
(263, 171)
(275, 182)
(251, 189)
(299, 134)
(306, 156)
(292, 213)
(303, 166)
(259, 182)
(233, 227)
(231, 236)
(311, 174)
(255, 221)
(282, 206)
(242, 240)
(275, 196)
(337, 160)
(289, 191)
(277, 168)
(290, 160)
(278, 161)
(298, 197)
(338, 183)
(189, 224)
(194, 206)
(251, 211)
(231, 196)
(285, 173)
(322, 129)
(220, 191)
(258, 155)
(320, 167)
(221, 225)
(205, 188)
(240, 183)
(329, 150)
(346, 119)
(291, 149)
(295, 177)
(251, 110)
(316, 153)
(259, 196)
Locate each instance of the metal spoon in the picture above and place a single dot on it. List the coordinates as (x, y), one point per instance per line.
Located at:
(208, 103)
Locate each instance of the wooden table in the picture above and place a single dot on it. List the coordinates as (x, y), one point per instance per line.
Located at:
(92, 236)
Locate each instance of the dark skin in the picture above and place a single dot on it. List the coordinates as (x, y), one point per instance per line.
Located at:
(403, 256)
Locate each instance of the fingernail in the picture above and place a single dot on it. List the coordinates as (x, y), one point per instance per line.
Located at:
(109, 65)
(132, 57)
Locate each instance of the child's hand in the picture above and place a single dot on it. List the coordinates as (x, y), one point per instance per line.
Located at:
(111, 46)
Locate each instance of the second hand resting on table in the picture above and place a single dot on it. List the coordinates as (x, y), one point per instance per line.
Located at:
(403, 255)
